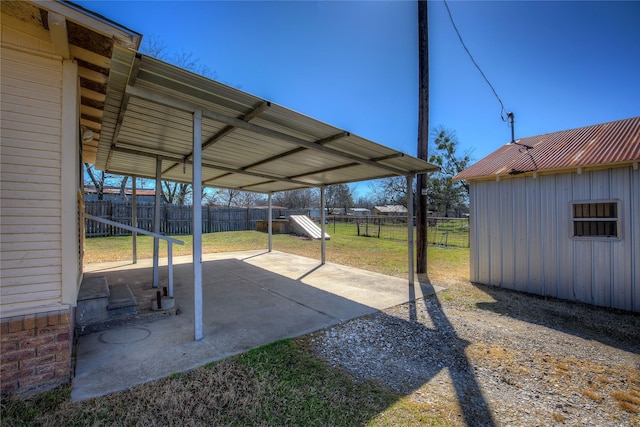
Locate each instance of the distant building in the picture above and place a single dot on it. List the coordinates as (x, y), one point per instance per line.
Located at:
(389, 210)
(359, 211)
(143, 195)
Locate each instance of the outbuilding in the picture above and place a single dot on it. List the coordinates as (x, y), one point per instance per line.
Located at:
(558, 215)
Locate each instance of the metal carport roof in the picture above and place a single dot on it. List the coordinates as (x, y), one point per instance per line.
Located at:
(164, 122)
(248, 143)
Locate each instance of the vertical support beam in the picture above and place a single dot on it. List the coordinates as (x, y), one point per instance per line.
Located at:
(134, 218)
(410, 228)
(70, 227)
(270, 223)
(170, 267)
(323, 243)
(156, 221)
(197, 223)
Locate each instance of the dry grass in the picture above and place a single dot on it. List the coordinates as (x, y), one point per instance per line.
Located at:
(592, 395)
(278, 384)
(559, 418)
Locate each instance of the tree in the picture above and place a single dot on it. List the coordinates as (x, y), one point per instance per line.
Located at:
(446, 194)
(389, 191)
(101, 180)
(238, 198)
(175, 193)
(338, 197)
(297, 199)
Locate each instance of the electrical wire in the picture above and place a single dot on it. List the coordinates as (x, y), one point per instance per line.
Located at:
(502, 111)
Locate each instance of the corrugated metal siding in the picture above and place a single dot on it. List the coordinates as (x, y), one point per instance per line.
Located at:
(30, 230)
(602, 144)
(521, 237)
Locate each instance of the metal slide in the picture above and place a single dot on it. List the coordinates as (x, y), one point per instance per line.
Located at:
(304, 226)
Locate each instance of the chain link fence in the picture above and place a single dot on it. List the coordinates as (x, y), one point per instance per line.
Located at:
(446, 232)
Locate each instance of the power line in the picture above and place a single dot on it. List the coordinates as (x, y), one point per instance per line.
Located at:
(502, 111)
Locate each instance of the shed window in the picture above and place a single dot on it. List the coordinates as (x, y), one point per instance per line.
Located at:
(598, 219)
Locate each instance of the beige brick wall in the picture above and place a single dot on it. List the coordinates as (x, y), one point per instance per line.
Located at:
(35, 351)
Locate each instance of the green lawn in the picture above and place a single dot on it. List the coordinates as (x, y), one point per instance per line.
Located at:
(386, 256)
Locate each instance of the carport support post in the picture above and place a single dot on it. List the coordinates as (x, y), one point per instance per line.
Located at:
(134, 219)
(323, 243)
(270, 223)
(410, 227)
(197, 223)
(156, 220)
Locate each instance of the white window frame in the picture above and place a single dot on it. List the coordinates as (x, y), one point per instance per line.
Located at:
(617, 219)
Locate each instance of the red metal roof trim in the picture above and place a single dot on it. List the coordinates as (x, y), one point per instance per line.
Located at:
(597, 145)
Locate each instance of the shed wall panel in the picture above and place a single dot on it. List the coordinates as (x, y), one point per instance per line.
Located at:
(535, 265)
(548, 225)
(495, 262)
(633, 224)
(625, 253)
(537, 252)
(565, 261)
(30, 181)
(505, 233)
(520, 235)
(483, 238)
(473, 239)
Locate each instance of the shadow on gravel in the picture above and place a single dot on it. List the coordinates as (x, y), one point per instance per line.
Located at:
(474, 407)
(615, 328)
(407, 350)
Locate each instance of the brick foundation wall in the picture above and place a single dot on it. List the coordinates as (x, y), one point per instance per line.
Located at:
(35, 351)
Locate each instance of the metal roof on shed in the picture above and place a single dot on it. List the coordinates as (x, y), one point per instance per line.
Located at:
(606, 144)
(248, 143)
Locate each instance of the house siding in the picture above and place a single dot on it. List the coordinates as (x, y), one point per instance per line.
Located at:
(30, 174)
(36, 322)
(521, 237)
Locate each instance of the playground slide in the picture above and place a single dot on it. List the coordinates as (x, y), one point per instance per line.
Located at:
(304, 226)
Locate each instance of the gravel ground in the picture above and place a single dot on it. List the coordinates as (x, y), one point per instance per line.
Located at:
(482, 356)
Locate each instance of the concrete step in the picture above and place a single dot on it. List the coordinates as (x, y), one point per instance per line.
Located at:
(101, 306)
(121, 301)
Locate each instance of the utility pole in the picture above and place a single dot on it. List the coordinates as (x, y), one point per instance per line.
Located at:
(423, 137)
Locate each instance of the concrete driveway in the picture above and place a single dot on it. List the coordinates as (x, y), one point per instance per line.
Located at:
(250, 298)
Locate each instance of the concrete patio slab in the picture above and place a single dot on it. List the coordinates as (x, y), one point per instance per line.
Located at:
(250, 298)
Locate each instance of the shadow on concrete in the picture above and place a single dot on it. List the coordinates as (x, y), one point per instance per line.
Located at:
(615, 328)
(248, 300)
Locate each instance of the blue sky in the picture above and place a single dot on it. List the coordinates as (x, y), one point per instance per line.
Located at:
(354, 65)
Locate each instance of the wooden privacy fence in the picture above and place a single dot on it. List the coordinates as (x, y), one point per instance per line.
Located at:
(175, 220)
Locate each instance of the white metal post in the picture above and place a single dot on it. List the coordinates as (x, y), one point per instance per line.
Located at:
(270, 223)
(323, 243)
(156, 221)
(134, 218)
(197, 223)
(410, 228)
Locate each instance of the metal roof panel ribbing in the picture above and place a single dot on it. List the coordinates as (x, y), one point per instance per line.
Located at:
(598, 145)
(248, 143)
